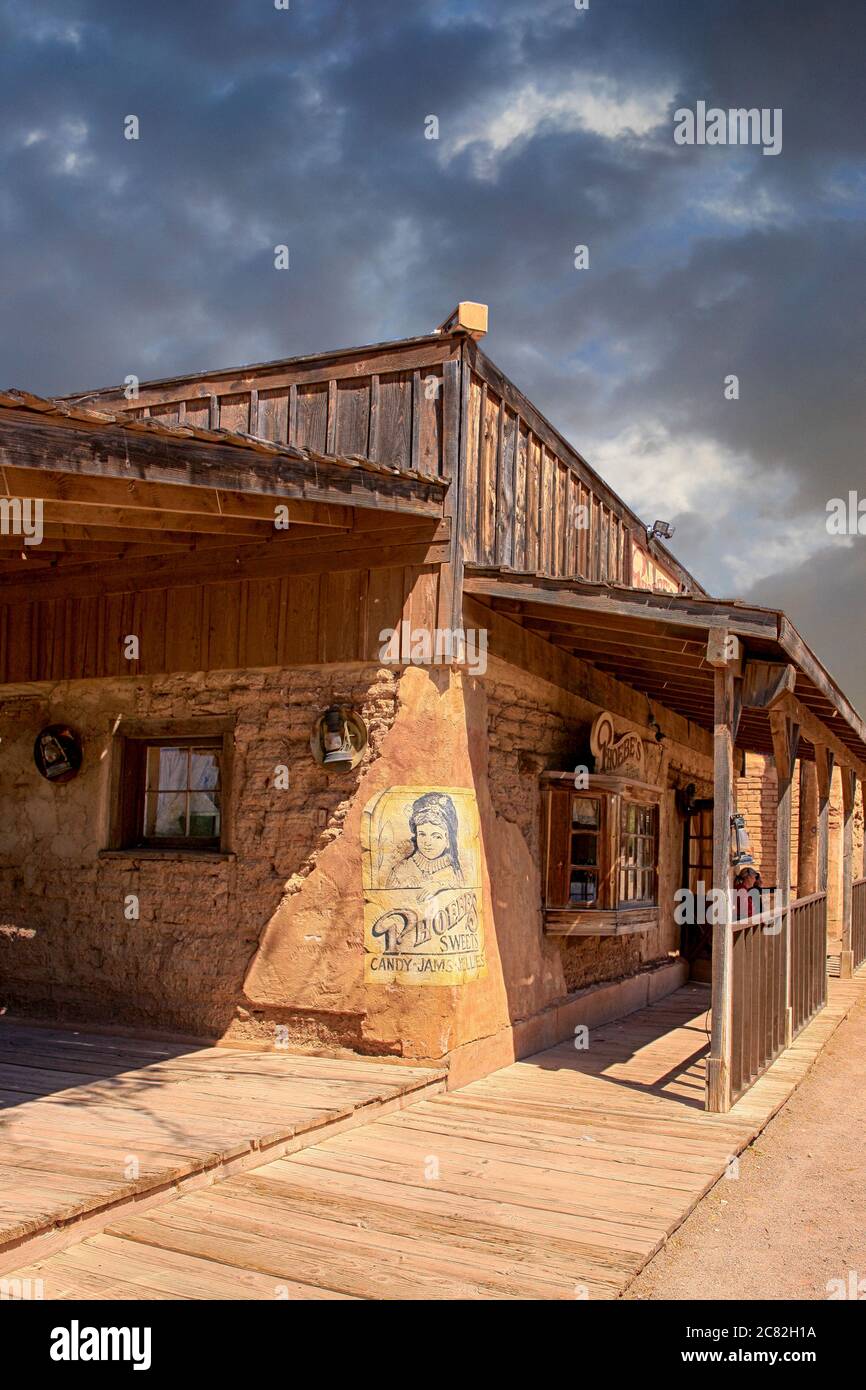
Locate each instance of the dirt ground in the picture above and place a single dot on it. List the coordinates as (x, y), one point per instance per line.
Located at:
(795, 1217)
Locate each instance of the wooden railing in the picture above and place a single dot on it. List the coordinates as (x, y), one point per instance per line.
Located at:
(858, 922)
(758, 988)
(808, 959)
(762, 993)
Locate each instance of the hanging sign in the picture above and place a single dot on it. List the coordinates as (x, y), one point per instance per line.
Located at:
(422, 887)
(624, 757)
(57, 753)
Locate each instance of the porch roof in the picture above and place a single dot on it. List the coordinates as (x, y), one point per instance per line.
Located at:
(199, 453)
(657, 643)
(115, 488)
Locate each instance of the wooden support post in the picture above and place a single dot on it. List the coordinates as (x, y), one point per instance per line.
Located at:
(849, 786)
(863, 811)
(807, 836)
(824, 760)
(723, 653)
(786, 737)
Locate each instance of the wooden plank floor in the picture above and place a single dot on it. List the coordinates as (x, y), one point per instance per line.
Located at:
(90, 1121)
(555, 1178)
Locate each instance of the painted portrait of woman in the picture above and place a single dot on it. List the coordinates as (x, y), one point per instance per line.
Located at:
(433, 862)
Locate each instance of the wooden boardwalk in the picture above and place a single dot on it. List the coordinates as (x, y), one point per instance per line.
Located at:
(91, 1122)
(555, 1178)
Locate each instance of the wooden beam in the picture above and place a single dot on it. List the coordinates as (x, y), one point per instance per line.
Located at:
(673, 611)
(108, 452)
(140, 518)
(807, 831)
(666, 614)
(817, 732)
(520, 647)
(786, 737)
(616, 639)
(68, 536)
(824, 761)
(426, 545)
(793, 644)
(724, 649)
(168, 497)
(849, 789)
(718, 1097)
(342, 363)
(449, 613)
(767, 682)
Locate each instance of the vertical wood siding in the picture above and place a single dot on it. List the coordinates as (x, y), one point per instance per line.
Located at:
(294, 620)
(526, 508)
(395, 414)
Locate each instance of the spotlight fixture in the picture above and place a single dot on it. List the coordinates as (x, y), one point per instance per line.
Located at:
(661, 530)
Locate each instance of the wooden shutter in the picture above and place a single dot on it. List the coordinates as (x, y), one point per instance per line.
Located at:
(558, 845)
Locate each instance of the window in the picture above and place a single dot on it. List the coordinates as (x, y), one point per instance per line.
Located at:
(585, 856)
(602, 849)
(171, 790)
(182, 793)
(637, 853)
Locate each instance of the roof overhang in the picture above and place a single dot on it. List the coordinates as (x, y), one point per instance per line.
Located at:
(138, 490)
(657, 644)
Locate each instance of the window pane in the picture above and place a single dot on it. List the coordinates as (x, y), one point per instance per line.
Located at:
(584, 811)
(637, 853)
(584, 849)
(165, 814)
(167, 769)
(204, 769)
(583, 887)
(204, 815)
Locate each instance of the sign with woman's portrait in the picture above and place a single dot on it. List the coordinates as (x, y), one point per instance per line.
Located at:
(422, 887)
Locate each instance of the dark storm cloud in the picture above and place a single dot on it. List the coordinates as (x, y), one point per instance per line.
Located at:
(305, 127)
(825, 599)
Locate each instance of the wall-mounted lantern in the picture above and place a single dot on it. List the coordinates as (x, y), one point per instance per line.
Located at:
(57, 753)
(741, 850)
(339, 737)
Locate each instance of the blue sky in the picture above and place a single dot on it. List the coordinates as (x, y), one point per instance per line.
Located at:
(306, 126)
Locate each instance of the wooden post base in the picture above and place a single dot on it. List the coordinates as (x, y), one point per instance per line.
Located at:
(718, 1098)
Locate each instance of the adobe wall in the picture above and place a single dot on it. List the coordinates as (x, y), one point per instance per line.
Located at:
(273, 936)
(180, 966)
(493, 735)
(534, 727)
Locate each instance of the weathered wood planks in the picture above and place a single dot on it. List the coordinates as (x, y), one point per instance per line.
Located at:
(76, 1108)
(555, 1178)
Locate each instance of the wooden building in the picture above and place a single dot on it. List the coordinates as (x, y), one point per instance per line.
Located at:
(344, 706)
